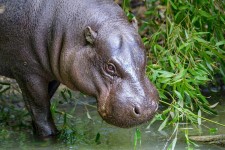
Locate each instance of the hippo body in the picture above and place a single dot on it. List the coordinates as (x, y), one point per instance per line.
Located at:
(88, 45)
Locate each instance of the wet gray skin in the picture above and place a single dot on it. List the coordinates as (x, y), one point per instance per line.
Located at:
(87, 45)
(126, 98)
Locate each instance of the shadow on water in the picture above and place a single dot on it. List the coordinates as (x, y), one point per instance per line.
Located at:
(88, 125)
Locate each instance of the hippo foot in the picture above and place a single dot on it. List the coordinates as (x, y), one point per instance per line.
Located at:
(52, 138)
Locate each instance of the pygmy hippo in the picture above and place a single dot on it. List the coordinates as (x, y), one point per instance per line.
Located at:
(87, 45)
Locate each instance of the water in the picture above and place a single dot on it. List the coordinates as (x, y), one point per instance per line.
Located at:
(111, 138)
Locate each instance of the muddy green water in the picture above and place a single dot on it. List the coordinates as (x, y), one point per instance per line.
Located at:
(111, 138)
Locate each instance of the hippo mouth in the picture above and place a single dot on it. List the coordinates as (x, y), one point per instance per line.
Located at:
(125, 116)
(126, 121)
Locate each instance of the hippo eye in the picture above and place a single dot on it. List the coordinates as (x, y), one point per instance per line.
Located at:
(110, 69)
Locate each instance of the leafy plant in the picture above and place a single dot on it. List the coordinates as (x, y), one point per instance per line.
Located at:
(186, 51)
(137, 138)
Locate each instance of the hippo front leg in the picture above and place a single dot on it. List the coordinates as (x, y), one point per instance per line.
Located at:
(37, 92)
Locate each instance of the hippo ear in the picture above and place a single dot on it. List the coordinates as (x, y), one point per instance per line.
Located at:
(90, 35)
(134, 23)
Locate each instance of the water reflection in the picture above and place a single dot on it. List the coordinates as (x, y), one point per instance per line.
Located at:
(88, 125)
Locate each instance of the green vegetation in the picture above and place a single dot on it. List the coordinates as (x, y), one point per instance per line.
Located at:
(186, 45)
(185, 41)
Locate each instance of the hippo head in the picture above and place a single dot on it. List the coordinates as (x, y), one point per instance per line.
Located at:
(112, 69)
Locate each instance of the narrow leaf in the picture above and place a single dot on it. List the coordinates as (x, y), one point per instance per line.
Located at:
(199, 117)
(220, 43)
(163, 125)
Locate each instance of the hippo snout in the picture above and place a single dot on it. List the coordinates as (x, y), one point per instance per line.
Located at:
(141, 113)
(138, 111)
(130, 111)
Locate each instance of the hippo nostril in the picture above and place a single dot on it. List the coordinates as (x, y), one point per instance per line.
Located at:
(137, 110)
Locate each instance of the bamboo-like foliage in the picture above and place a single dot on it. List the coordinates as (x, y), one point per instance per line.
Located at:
(186, 49)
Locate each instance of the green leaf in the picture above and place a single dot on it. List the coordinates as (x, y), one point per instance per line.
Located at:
(202, 78)
(160, 47)
(171, 62)
(162, 95)
(220, 43)
(208, 110)
(97, 138)
(163, 125)
(189, 86)
(201, 33)
(201, 40)
(221, 18)
(88, 115)
(164, 80)
(183, 7)
(137, 137)
(195, 19)
(209, 66)
(205, 14)
(173, 5)
(183, 46)
(218, 53)
(180, 75)
(166, 74)
(199, 117)
(213, 130)
(159, 117)
(173, 144)
(180, 97)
